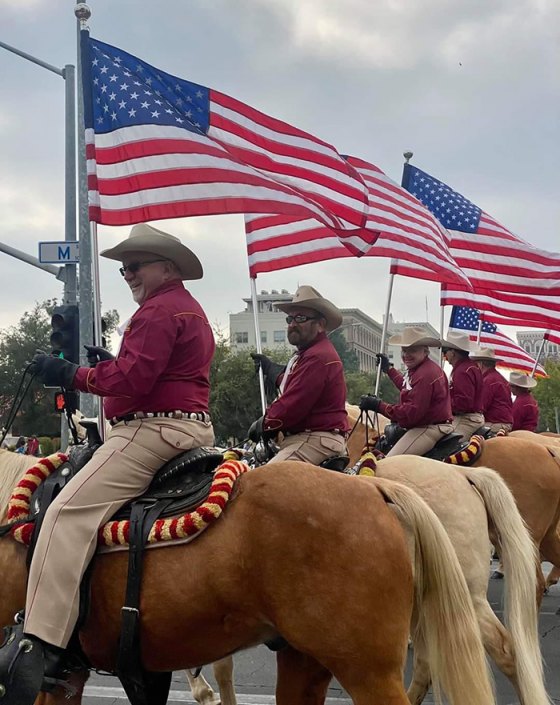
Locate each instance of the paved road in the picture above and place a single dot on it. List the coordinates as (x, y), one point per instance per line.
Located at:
(255, 669)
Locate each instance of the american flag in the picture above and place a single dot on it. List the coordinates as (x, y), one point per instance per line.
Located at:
(505, 307)
(491, 257)
(552, 337)
(406, 230)
(465, 319)
(160, 147)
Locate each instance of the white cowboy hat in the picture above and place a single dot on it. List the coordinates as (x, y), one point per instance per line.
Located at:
(457, 341)
(411, 335)
(520, 379)
(484, 354)
(308, 297)
(146, 238)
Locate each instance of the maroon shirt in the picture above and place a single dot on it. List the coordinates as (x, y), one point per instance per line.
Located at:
(465, 386)
(164, 360)
(496, 397)
(424, 400)
(314, 397)
(525, 412)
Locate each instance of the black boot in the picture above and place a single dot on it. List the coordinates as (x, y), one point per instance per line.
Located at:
(27, 665)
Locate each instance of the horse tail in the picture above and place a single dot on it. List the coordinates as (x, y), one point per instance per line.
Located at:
(519, 557)
(445, 616)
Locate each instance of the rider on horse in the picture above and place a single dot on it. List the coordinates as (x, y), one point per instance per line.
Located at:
(156, 400)
(525, 407)
(311, 409)
(497, 406)
(424, 408)
(465, 385)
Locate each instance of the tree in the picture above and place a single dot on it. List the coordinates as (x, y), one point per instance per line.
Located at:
(359, 383)
(547, 394)
(347, 355)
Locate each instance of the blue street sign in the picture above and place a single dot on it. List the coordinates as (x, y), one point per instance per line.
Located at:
(65, 252)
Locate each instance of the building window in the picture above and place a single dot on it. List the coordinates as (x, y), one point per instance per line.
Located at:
(279, 336)
(263, 336)
(242, 337)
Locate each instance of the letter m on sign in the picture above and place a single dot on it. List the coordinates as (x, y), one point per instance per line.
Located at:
(63, 252)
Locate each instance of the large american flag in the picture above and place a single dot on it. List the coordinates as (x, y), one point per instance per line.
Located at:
(465, 319)
(491, 256)
(552, 337)
(406, 230)
(160, 147)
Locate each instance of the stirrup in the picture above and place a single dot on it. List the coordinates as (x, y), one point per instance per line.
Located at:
(21, 667)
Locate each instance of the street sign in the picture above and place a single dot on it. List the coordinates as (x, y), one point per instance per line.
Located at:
(65, 252)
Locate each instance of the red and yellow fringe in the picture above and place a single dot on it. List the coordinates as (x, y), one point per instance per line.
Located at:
(467, 456)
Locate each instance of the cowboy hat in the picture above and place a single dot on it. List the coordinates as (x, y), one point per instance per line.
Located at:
(146, 238)
(411, 335)
(456, 341)
(308, 297)
(520, 379)
(485, 354)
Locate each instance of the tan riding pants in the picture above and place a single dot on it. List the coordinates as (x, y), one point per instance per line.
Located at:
(467, 424)
(420, 440)
(310, 447)
(495, 427)
(119, 471)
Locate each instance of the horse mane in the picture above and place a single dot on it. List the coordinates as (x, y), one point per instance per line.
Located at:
(12, 469)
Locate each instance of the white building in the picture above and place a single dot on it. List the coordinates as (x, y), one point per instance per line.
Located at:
(531, 341)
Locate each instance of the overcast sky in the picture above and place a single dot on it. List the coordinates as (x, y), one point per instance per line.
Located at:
(470, 86)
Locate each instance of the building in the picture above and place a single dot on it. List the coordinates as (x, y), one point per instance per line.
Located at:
(531, 342)
(394, 351)
(362, 333)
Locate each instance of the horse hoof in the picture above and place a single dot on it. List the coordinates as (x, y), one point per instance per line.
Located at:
(496, 575)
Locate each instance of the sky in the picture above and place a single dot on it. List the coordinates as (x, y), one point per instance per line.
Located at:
(470, 86)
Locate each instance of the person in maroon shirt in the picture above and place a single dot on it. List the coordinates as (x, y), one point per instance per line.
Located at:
(525, 407)
(465, 385)
(156, 398)
(310, 411)
(497, 406)
(424, 408)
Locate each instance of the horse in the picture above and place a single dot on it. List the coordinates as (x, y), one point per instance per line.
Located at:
(529, 469)
(292, 556)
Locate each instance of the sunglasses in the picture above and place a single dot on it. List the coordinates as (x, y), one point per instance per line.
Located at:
(300, 319)
(134, 267)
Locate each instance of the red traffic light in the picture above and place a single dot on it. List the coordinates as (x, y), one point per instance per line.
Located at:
(59, 402)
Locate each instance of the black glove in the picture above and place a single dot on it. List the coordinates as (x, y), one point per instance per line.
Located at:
(369, 402)
(97, 354)
(383, 360)
(255, 431)
(53, 371)
(270, 369)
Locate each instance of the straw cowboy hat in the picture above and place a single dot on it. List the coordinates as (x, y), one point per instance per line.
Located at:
(485, 354)
(457, 341)
(308, 297)
(411, 335)
(146, 238)
(520, 379)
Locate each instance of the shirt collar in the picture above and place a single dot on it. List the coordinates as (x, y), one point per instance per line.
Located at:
(168, 286)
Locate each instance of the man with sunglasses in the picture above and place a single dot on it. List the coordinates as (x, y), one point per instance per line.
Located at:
(156, 394)
(310, 410)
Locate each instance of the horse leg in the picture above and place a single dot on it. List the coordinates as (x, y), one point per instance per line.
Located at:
(553, 577)
(59, 696)
(550, 550)
(223, 673)
(497, 642)
(201, 690)
(421, 677)
(301, 680)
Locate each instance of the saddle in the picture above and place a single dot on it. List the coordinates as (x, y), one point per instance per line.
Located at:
(450, 443)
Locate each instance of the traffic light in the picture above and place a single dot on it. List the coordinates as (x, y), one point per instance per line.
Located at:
(65, 336)
(64, 400)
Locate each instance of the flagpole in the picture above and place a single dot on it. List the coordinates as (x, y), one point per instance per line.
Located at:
(254, 299)
(441, 327)
(538, 357)
(479, 331)
(384, 331)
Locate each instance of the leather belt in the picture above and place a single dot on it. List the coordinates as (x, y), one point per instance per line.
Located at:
(184, 415)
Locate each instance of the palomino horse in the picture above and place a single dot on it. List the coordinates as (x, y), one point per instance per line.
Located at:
(293, 555)
(449, 491)
(531, 471)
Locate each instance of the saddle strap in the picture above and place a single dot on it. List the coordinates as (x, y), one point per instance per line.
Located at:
(141, 687)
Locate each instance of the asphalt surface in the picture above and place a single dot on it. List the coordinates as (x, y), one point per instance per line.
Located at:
(255, 671)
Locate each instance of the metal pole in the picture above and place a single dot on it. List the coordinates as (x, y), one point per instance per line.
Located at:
(479, 331)
(33, 59)
(557, 418)
(441, 329)
(29, 259)
(258, 338)
(86, 297)
(384, 331)
(538, 358)
(97, 320)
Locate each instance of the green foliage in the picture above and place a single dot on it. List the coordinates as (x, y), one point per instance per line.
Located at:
(359, 383)
(46, 446)
(112, 320)
(349, 358)
(547, 394)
